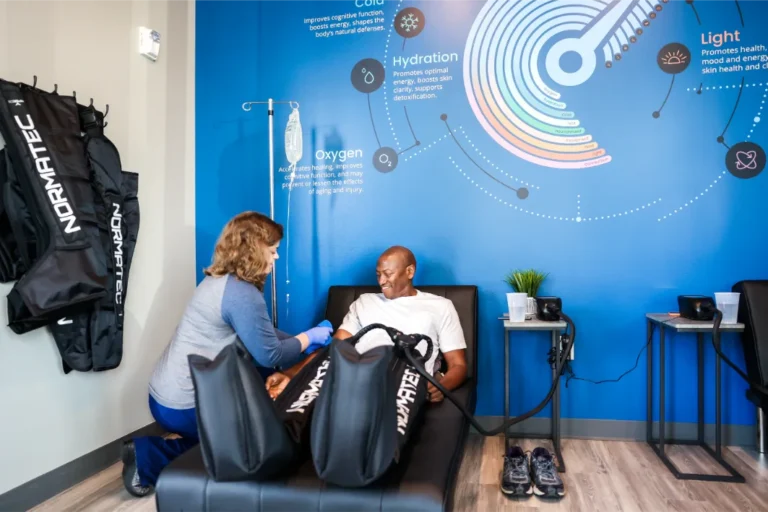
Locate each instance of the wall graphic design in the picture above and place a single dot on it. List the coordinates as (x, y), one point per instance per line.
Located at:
(523, 58)
(616, 144)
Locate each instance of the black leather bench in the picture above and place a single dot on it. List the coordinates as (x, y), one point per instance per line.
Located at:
(422, 481)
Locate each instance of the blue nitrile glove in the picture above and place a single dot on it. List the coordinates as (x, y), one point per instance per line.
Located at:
(319, 336)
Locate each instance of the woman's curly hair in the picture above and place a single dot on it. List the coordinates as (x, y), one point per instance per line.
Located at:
(243, 248)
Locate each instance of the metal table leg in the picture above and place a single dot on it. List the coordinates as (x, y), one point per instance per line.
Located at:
(662, 393)
(658, 445)
(717, 453)
(649, 384)
(556, 406)
(506, 389)
(718, 403)
(700, 356)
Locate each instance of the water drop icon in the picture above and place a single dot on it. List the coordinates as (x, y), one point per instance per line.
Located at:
(369, 78)
(367, 75)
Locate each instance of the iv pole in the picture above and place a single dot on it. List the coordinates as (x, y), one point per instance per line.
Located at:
(271, 115)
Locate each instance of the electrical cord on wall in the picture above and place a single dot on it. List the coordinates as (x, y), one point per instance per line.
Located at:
(715, 343)
(572, 376)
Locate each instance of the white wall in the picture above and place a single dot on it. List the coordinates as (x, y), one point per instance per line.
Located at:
(47, 418)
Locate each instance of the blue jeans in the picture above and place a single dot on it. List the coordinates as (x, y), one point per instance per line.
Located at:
(153, 453)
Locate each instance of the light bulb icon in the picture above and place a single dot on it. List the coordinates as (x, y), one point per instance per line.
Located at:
(368, 78)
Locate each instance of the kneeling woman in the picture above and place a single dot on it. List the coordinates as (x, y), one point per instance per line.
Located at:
(228, 304)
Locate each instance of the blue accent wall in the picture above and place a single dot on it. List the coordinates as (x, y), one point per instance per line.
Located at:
(624, 208)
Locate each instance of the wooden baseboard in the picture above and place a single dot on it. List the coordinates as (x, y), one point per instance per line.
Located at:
(46, 486)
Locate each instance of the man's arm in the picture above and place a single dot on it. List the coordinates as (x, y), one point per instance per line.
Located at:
(453, 346)
(277, 381)
(293, 370)
(453, 378)
(341, 334)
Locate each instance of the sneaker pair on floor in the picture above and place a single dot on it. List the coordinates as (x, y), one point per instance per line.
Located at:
(523, 475)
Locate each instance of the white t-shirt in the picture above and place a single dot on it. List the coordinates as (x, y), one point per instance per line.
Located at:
(423, 313)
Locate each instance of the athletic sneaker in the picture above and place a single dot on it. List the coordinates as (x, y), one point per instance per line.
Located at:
(546, 480)
(516, 475)
(131, 473)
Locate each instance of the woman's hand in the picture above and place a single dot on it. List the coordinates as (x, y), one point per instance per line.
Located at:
(318, 336)
(276, 384)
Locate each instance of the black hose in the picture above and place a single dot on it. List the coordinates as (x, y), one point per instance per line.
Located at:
(512, 421)
(400, 340)
(716, 345)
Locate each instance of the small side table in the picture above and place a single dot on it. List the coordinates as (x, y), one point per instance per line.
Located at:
(535, 325)
(682, 325)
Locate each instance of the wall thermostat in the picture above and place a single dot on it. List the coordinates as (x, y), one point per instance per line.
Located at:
(149, 43)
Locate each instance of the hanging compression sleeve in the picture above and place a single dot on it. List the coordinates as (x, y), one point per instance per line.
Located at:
(365, 412)
(43, 145)
(364, 400)
(242, 436)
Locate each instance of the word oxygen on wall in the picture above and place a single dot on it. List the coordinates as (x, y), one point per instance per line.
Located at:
(341, 156)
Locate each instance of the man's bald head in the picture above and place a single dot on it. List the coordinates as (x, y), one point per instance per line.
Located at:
(395, 270)
(402, 253)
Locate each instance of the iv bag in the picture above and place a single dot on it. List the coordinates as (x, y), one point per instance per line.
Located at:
(293, 139)
(293, 152)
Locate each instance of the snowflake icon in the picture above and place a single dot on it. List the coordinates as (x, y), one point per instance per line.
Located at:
(409, 22)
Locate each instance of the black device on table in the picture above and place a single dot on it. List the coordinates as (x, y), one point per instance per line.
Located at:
(548, 308)
(696, 307)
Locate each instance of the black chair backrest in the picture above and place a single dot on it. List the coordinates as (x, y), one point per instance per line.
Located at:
(464, 298)
(753, 313)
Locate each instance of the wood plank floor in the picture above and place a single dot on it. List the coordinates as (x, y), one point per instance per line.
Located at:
(601, 476)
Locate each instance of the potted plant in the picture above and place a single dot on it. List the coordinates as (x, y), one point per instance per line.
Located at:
(527, 281)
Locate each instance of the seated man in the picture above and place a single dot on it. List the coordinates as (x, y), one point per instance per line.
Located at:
(403, 307)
